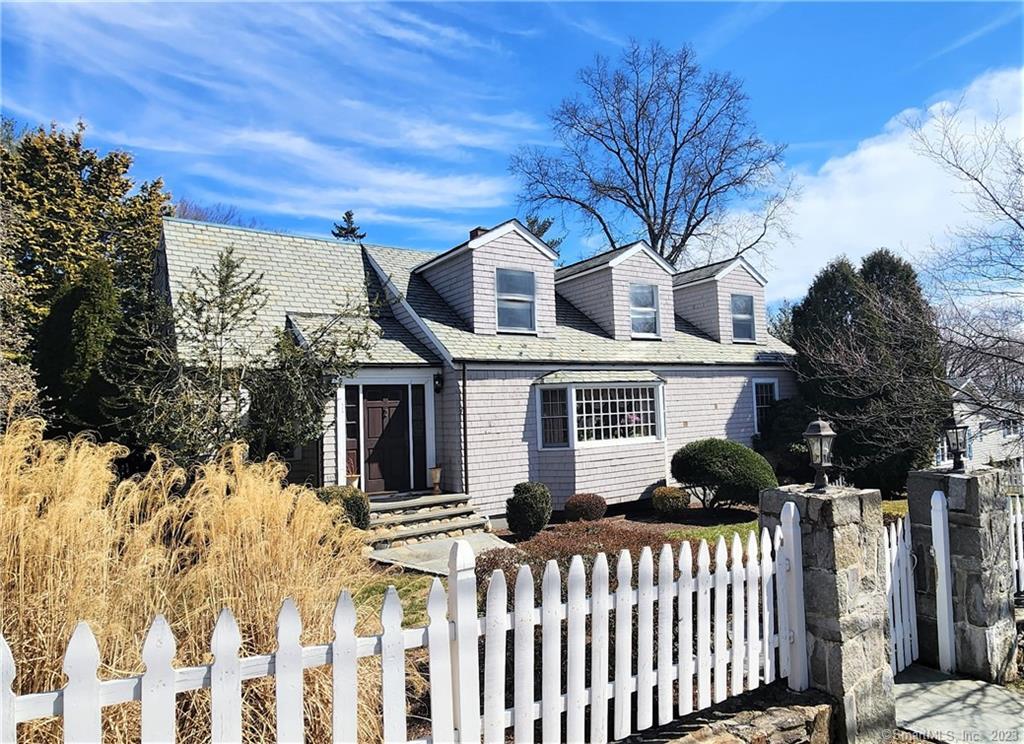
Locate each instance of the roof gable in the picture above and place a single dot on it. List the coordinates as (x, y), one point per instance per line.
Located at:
(611, 259)
(717, 271)
(494, 233)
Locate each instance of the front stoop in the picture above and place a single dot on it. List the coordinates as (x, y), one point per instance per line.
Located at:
(410, 518)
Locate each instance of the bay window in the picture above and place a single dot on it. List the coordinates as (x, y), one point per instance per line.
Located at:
(605, 413)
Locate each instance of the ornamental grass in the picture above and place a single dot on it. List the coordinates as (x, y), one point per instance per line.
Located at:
(76, 544)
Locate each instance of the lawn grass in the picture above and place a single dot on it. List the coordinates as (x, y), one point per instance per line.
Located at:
(711, 533)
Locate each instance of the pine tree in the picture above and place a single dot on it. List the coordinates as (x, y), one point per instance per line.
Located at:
(540, 226)
(868, 358)
(347, 229)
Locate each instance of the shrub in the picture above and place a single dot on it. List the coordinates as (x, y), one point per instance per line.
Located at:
(354, 501)
(722, 471)
(529, 509)
(585, 507)
(669, 501)
(781, 441)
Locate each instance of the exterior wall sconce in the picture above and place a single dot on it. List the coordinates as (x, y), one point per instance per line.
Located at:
(819, 437)
(438, 383)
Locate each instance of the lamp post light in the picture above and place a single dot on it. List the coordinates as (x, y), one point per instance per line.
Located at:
(956, 442)
(819, 437)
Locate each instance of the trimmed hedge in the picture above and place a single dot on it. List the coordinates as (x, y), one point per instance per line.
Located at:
(719, 470)
(670, 501)
(529, 509)
(585, 507)
(355, 502)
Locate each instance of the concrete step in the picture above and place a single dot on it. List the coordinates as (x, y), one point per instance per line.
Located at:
(404, 502)
(401, 535)
(389, 518)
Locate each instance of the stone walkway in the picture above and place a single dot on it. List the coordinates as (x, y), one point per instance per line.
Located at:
(432, 556)
(943, 708)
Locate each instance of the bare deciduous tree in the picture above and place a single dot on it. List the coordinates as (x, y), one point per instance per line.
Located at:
(658, 148)
(977, 279)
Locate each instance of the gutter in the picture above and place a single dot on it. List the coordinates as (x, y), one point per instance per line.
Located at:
(465, 436)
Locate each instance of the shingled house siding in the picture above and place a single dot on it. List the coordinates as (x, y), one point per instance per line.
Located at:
(330, 446)
(589, 293)
(698, 304)
(715, 403)
(641, 269)
(453, 280)
(512, 252)
(620, 472)
(739, 281)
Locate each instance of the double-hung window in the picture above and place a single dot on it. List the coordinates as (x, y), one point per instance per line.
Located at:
(765, 393)
(516, 292)
(602, 414)
(742, 317)
(643, 310)
(1011, 427)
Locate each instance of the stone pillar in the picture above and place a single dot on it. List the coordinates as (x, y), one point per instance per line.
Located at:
(845, 602)
(979, 534)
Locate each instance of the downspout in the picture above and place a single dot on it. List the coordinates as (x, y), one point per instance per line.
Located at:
(465, 440)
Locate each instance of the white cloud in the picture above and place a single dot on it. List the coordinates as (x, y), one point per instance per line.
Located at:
(884, 193)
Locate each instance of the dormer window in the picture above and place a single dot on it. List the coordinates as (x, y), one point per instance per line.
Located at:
(643, 310)
(742, 317)
(516, 291)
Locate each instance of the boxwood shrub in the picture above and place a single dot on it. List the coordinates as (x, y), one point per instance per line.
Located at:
(669, 501)
(585, 507)
(529, 509)
(719, 471)
(353, 500)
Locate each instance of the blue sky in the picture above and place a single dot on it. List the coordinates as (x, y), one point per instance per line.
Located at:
(408, 113)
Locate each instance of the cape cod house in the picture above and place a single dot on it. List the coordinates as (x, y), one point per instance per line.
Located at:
(500, 366)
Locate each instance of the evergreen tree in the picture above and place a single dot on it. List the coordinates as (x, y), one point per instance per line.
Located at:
(540, 226)
(868, 358)
(347, 229)
(18, 393)
(72, 345)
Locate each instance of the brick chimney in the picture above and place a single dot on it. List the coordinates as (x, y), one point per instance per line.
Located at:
(476, 232)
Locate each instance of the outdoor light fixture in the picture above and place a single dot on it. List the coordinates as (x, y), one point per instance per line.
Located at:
(819, 437)
(956, 442)
(438, 383)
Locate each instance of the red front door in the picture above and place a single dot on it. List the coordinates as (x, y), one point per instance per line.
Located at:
(386, 421)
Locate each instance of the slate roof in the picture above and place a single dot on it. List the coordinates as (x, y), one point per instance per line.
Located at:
(577, 340)
(306, 280)
(701, 272)
(593, 262)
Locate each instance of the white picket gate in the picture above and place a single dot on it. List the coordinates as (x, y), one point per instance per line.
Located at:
(1015, 505)
(701, 636)
(899, 584)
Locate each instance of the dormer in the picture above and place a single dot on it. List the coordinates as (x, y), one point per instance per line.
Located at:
(627, 291)
(500, 281)
(725, 300)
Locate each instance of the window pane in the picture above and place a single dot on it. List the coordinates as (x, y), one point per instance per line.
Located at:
(515, 282)
(642, 295)
(645, 322)
(742, 305)
(615, 413)
(743, 328)
(554, 417)
(764, 396)
(515, 314)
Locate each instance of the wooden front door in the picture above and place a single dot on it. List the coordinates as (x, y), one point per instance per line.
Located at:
(386, 422)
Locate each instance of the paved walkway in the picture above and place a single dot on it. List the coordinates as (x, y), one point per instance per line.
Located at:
(937, 706)
(432, 556)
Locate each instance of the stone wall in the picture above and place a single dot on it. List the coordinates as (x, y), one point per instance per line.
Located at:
(979, 526)
(845, 602)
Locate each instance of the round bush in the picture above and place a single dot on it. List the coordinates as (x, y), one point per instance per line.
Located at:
(669, 501)
(722, 471)
(353, 500)
(529, 509)
(585, 507)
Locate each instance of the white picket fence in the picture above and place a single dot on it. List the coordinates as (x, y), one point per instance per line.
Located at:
(899, 585)
(1015, 505)
(701, 637)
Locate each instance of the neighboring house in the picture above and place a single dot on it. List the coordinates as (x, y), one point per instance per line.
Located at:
(993, 437)
(499, 366)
